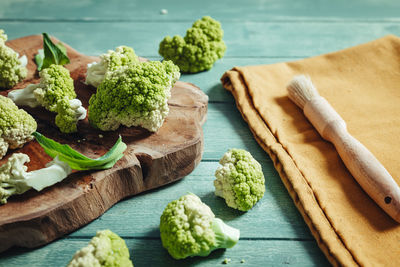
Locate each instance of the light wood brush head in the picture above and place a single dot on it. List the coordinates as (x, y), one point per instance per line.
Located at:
(301, 90)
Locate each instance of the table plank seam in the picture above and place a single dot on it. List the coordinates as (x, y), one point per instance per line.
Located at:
(272, 20)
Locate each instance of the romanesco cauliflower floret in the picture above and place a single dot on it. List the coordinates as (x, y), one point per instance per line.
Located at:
(111, 61)
(15, 180)
(199, 49)
(12, 69)
(16, 126)
(105, 249)
(68, 113)
(239, 180)
(56, 93)
(134, 96)
(189, 228)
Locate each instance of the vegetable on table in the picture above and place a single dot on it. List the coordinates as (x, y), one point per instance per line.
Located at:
(239, 180)
(110, 61)
(134, 95)
(15, 180)
(56, 93)
(189, 228)
(12, 68)
(51, 54)
(199, 49)
(16, 126)
(105, 249)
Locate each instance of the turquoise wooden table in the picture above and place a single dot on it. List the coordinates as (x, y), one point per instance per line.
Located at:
(273, 233)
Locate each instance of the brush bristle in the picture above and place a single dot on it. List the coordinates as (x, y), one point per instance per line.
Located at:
(301, 90)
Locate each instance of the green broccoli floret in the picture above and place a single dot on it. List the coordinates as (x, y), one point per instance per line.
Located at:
(12, 69)
(199, 49)
(105, 249)
(112, 60)
(56, 93)
(189, 228)
(239, 180)
(134, 95)
(16, 126)
(15, 180)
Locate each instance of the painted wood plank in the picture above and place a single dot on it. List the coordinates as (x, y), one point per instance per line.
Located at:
(243, 39)
(149, 252)
(225, 129)
(183, 10)
(275, 216)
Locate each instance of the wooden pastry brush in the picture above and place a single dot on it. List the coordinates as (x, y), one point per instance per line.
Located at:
(365, 168)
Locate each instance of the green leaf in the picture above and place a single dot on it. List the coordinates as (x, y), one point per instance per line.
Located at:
(53, 54)
(76, 160)
(39, 59)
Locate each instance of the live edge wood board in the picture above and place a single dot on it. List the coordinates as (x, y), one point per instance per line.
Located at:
(150, 161)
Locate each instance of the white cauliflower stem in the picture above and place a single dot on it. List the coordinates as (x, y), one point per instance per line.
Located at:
(15, 180)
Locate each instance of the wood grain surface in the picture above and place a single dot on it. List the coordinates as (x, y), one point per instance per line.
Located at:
(150, 161)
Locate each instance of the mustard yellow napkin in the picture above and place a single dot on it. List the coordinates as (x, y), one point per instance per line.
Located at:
(362, 83)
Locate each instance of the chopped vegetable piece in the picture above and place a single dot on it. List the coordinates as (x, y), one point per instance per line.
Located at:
(15, 180)
(105, 249)
(239, 180)
(12, 68)
(56, 93)
(189, 228)
(199, 49)
(111, 61)
(134, 95)
(16, 126)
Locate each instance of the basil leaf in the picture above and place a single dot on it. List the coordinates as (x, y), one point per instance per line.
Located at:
(52, 54)
(76, 160)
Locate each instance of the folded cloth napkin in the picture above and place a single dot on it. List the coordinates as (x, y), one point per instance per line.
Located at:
(362, 83)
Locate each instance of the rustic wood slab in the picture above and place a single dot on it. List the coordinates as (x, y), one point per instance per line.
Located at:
(151, 159)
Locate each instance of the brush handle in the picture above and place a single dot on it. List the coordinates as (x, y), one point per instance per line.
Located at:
(365, 168)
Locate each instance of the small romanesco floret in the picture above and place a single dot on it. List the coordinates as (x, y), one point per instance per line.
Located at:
(56, 93)
(12, 69)
(15, 180)
(240, 180)
(16, 126)
(105, 249)
(111, 61)
(134, 96)
(189, 228)
(199, 49)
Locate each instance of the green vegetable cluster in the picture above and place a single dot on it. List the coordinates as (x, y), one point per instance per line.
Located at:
(12, 68)
(16, 126)
(189, 228)
(134, 95)
(199, 49)
(105, 249)
(56, 93)
(239, 180)
(109, 62)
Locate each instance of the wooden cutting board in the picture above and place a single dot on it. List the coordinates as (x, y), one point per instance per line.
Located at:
(151, 159)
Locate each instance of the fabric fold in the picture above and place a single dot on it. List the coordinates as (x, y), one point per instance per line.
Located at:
(363, 84)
